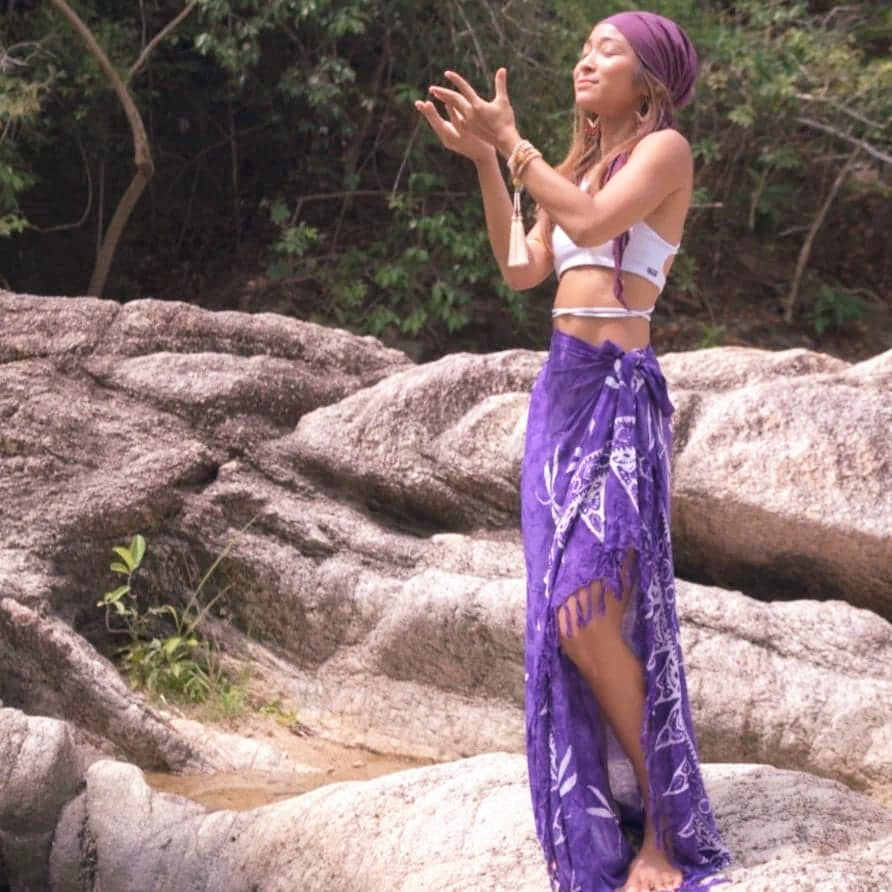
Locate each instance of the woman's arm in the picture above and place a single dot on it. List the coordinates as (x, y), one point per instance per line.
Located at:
(497, 206)
(660, 164)
(498, 209)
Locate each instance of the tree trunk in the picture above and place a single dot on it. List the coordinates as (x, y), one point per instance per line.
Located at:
(805, 250)
(142, 155)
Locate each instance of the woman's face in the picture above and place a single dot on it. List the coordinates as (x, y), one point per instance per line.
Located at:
(603, 77)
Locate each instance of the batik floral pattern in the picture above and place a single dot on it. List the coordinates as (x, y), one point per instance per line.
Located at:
(594, 484)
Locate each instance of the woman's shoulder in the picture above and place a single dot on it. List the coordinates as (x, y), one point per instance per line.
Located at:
(668, 141)
(667, 152)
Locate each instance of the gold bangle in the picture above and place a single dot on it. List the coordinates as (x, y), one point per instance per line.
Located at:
(520, 157)
(524, 162)
(518, 153)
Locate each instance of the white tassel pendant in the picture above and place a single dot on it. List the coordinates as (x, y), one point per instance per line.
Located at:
(517, 243)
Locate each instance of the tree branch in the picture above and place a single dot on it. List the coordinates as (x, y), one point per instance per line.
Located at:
(805, 250)
(810, 97)
(143, 158)
(147, 49)
(871, 150)
(142, 155)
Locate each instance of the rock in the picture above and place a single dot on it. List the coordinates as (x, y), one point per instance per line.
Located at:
(790, 830)
(799, 684)
(40, 770)
(429, 662)
(50, 669)
(366, 509)
(785, 484)
(439, 442)
(361, 627)
(875, 372)
(237, 752)
(720, 369)
(365, 513)
(35, 326)
(780, 825)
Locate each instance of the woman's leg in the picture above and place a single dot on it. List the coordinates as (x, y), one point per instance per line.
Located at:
(616, 678)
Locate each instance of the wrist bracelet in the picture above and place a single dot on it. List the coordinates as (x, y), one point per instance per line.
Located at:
(520, 157)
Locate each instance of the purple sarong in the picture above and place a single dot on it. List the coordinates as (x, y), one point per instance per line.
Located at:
(594, 483)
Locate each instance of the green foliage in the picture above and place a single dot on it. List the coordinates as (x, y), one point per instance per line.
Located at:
(295, 242)
(683, 274)
(181, 665)
(290, 124)
(835, 309)
(282, 713)
(711, 335)
(21, 98)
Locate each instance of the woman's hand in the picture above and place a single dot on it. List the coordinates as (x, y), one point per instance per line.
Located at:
(454, 133)
(491, 123)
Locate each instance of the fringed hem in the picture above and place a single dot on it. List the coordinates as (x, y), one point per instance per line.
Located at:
(611, 573)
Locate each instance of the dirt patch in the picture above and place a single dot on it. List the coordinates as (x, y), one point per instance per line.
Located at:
(239, 790)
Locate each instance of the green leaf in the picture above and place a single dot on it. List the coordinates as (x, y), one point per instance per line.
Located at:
(125, 555)
(115, 594)
(138, 549)
(172, 644)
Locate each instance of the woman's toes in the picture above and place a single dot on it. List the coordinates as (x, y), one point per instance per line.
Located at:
(669, 882)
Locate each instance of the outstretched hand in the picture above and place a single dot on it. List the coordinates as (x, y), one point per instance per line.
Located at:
(475, 125)
(454, 133)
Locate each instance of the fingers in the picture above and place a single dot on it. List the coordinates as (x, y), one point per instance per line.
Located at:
(456, 117)
(466, 89)
(501, 80)
(450, 97)
(438, 125)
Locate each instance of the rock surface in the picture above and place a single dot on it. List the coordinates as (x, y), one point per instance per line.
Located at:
(367, 508)
(57, 673)
(800, 684)
(784, 828)
(364, 610)
(41, 769)
(786, 483)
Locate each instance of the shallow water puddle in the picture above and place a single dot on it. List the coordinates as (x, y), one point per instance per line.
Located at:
(241, 790)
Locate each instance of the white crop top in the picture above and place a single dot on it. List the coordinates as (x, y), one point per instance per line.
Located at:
(645, 252)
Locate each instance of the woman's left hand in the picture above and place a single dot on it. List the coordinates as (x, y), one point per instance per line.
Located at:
(492, 121)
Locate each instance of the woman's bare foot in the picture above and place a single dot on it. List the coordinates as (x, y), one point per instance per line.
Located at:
(651, 869)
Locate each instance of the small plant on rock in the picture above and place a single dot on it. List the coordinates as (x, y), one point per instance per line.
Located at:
(181, 665)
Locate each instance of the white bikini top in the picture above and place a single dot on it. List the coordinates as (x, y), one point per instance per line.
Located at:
(644, 254)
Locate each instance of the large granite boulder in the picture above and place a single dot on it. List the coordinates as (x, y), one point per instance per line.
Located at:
(785, 830)
(782, 477)
(367, 509)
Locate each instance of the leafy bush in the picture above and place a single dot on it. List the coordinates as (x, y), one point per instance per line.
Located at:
(835, 309)
(181, 665)
(290, 125)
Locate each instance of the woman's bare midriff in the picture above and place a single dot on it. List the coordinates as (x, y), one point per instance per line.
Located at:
(592, 286)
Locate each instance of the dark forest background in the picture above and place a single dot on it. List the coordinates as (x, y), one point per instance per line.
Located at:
(265, 155)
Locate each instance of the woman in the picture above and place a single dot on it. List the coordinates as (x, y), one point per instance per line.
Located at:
(611, 750)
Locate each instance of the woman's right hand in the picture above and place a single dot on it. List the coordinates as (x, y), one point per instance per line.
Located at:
(453, 133)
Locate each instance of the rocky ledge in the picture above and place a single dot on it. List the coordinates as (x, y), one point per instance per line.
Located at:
(380, 586)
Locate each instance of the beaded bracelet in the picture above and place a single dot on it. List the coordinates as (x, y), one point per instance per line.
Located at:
(520, 157)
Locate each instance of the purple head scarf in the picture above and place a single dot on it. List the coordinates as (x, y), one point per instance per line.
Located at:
(666, 51)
